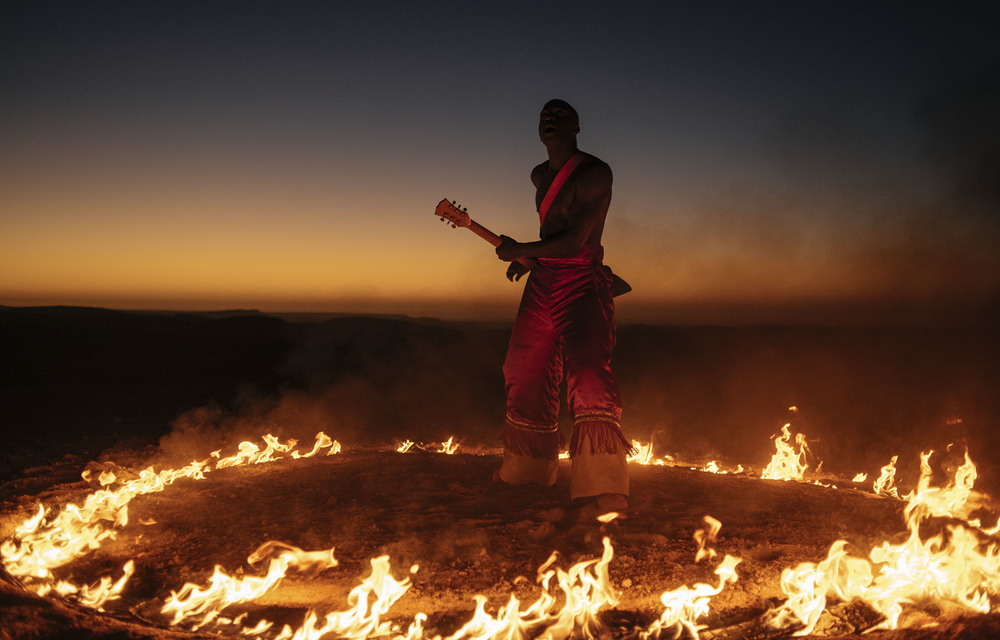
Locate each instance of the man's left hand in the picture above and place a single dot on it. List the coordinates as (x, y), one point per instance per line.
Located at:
(515, 270)
(507, 250)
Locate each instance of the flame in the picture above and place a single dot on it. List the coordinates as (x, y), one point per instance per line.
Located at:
(370, 601)
(96, 595)
(47, 541)
(705, 536)
(683, 606)
(861, 477)
(44, 542)
(224, 590)
(643, 453)
(956, 567)
(249, 453)
(713, 467)
(585, 590)
(885, 485)
(323, 441)
(507, 625)
(808, 584)
(956, 500)
(448, 447)
(405, 446)
(787, 463)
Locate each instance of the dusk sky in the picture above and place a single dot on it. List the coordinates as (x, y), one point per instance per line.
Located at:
(773, 161)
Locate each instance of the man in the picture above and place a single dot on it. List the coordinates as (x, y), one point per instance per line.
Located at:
(566, 318)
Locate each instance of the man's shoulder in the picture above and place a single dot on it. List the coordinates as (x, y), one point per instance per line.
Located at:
(538, 172)
(590, 159)
(593, 168)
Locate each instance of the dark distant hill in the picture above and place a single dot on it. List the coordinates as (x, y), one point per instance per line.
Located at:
(94, 377)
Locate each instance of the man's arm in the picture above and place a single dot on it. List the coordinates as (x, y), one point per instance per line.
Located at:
(593, 196)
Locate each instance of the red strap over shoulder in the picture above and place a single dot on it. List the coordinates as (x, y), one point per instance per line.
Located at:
(557, 184)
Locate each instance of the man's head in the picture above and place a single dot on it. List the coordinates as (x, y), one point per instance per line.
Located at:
(558, 120)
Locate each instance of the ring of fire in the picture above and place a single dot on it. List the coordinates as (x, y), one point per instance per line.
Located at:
(566, 601)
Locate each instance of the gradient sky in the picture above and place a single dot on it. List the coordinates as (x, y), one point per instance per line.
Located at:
(774, 161)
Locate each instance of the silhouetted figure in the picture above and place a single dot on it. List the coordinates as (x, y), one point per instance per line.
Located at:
(566, 318)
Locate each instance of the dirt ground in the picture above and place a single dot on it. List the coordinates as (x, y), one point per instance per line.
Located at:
(468, 535)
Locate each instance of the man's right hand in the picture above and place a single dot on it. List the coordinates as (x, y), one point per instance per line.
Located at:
(515, 270)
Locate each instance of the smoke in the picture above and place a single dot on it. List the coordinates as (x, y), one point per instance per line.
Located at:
(290, 415)
(863, 395)
(962, 133)
(882, 202)
(961, 136)
(365, 382)
(698, 393)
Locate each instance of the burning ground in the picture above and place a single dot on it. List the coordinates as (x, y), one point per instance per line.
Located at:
(448, 531)
(443, 515)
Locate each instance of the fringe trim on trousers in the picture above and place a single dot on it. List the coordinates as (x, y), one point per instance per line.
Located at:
(604, 434)
(537, 441)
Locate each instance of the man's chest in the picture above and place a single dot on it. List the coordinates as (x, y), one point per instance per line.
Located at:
(560, 197)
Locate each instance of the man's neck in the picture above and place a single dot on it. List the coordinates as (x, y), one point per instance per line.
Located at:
(559, 154)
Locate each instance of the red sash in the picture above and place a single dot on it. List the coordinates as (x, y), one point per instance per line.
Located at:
(557, 184)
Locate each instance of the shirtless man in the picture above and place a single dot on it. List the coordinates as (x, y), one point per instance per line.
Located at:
(566, 318)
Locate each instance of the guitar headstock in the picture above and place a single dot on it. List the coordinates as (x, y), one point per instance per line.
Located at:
(448, 211)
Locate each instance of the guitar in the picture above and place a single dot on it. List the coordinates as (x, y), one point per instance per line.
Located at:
(448, 211)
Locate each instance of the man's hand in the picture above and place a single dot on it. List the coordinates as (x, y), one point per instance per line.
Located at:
(515, 271)
(507, 250)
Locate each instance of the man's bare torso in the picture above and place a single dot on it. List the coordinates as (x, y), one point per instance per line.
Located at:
(590, 182)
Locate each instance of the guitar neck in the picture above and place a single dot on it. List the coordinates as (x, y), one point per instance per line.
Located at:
(449, 211)
(484, 233)
(494, 240)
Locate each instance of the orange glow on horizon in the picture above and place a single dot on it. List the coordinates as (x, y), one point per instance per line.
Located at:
(278, 249)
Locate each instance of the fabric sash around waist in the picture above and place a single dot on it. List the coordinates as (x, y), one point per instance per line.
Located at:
(591, 254)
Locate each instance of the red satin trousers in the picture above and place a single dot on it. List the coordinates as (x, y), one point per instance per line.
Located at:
(565, 325)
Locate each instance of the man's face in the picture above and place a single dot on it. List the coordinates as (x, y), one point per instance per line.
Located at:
(557, 121)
